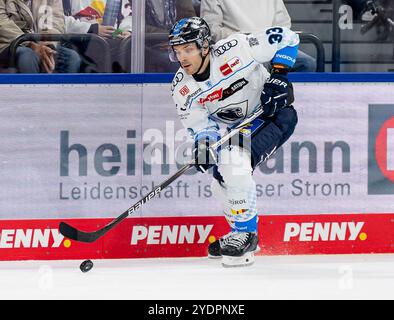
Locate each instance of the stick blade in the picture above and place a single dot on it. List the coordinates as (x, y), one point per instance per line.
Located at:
(77, 235)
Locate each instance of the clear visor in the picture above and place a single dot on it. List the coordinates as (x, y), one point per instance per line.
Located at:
(178, 54)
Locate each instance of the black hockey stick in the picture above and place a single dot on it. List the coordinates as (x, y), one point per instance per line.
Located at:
(75, 234)
(78, 235)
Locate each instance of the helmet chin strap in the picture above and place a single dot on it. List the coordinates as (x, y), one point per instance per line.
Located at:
(202, 62)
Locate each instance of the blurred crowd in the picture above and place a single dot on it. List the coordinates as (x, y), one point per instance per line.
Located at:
(99, 32)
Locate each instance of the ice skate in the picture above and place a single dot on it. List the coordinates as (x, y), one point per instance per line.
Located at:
(214, 249)
(239, 249)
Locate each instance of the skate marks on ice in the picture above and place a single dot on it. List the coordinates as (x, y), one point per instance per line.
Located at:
(270, 277)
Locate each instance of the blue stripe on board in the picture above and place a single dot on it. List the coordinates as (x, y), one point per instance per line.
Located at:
(167, 78)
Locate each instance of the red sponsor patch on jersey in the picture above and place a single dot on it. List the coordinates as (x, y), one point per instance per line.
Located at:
(184, 90)
(216, 95)
(225, 69)
(230, 66)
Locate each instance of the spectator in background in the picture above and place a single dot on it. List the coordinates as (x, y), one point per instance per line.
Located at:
(86, 16)
(226, 17)
(18, 17)
(377, 15)
(111, 20)
(160, 16)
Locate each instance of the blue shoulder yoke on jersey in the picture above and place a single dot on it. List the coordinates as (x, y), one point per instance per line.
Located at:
(286, 56)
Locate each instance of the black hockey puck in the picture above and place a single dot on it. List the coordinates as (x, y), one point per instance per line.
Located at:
(86, 265)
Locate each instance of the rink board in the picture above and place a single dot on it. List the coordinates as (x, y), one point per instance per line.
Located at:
(84, 151)
(190, 236)
(90, 151)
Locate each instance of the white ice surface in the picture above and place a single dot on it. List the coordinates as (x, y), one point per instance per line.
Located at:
(271, 277)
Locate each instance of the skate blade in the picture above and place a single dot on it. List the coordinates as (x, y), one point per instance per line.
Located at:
(219, 257)
(214, 257)
(232, 262)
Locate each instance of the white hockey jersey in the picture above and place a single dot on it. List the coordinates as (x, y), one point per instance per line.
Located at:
(237, 77)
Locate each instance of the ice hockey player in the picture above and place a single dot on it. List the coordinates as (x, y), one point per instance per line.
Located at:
(223, 83)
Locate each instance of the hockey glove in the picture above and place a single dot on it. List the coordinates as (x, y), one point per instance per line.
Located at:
(205, 158)
(277, 94)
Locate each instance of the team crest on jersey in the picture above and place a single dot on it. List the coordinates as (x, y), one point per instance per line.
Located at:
(231, 66)
(232, 112)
